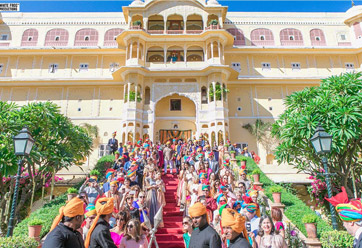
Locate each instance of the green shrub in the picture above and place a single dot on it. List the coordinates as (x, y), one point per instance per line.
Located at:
(275, 189)
(137, 23)
(94, 173)
(256, 172)
(35, 222)
(294, 207)
(47, 214)
(336, 239)
(18, 242)
(310, 218)
(214, 22)
(72, 191)
(104, 163)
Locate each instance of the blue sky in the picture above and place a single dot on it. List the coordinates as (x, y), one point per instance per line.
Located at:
(235, 5)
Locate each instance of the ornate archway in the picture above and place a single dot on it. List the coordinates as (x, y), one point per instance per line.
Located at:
(175, 118)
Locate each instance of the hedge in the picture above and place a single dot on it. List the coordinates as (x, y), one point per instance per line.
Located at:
(295, 208)
(104, 163)
(18, 242)
(50, 210)
(336, 239)
(47, 214)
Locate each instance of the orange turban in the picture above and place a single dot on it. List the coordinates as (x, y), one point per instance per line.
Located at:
(197, 209)
(231, 218)
(73, 208)
(105, 208)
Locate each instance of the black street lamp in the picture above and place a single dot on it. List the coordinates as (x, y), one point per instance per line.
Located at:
(23, 143)
(322, 143)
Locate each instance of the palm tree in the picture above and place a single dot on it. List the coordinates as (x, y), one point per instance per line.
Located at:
(93, 132)
(258, 129)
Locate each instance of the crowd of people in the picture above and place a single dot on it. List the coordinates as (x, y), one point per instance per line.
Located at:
(219, 209)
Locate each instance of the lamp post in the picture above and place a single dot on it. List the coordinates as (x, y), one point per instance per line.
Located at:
(322, 143)
(23, 143)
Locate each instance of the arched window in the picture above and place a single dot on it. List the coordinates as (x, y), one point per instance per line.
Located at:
(111, 35)
(317, 37)
(218, 92)
(211, 93)
(56, 37)
(203, 95)
(291, 37)
(30, 37)
(262, 37)
(239, 39)
(86, 37)
(147, 95)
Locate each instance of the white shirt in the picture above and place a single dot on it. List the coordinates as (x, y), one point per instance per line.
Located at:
(358, 233)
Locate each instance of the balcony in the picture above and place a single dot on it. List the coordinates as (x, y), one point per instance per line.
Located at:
(29, 43)
(155, 31)
(56, 43)
(212, 27)
(194, 31)
(4, 43)
(291, 42)
(175, 31)
(262, 43)
(85, 43)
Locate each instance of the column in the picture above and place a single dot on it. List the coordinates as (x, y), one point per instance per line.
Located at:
(165, 24)
(164, 54)
(127, 51)
(212, 49)
(184, 24)
(136, 93)
(218, 47)
(138, 49)
(130, 50)
(213, 86)
(128, 90)
(185, 55)
(206, 53)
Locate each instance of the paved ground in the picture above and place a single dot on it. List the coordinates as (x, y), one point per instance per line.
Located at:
(284, 174)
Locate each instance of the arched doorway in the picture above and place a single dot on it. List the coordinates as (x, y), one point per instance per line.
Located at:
(175, 117)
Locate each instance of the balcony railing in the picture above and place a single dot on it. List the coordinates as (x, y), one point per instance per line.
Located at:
(292, 43)
(194, 31)
(136, 27)
(28, 43)
(262, 43)
(110, 43)
(239, 42)
(85, 43)
(155, 31)
(213, 27)
(56, 43)
(175, 31)
(344, 44)
(318, 43)
(4, 43)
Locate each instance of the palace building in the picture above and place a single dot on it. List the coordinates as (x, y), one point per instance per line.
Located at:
(165, 68)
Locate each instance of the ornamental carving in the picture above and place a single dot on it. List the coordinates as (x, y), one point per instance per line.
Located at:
(161, 90)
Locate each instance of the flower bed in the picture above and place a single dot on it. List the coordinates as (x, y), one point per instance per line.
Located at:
(295, 208)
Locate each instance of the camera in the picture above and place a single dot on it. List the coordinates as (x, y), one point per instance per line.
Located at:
(248, 226)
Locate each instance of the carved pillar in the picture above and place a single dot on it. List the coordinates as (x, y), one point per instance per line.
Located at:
(164, 54)
(212, 49)
(213, 86)
(218, 48)
(138, 49)
(130, 50)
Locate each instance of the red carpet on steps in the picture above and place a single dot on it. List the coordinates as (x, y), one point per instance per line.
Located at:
(170, 236)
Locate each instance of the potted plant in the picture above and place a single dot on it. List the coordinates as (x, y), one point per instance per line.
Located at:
(116, 155)
(213, 22)
(256, 175)
(310, 221)
(276, 191)
(243, 161)
(137, 23)
(72, 192)
(34, 228)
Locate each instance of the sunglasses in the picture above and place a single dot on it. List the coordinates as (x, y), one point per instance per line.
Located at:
(129, 226)
(185, 223)
(129, 198)
(142, 197)
(144, 229)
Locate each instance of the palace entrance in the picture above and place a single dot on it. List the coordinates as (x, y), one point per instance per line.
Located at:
(175, 118)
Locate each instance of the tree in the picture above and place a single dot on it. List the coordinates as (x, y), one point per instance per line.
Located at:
(58, 144)
(336, 104)
(262, 133)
